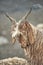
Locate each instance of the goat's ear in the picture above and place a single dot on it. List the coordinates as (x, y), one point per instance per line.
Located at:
(30, 34)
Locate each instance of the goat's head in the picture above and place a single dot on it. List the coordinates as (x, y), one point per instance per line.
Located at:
(22, 30)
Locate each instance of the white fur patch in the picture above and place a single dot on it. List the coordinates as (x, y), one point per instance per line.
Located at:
(16, 31)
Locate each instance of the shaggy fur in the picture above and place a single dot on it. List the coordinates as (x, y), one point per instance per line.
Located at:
(32, 43)
(30, 38)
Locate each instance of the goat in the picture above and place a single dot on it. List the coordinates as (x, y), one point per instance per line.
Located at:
(30, 39)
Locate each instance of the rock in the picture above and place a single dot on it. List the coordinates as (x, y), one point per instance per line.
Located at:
(3, 40)
(14, 61)
(36, 6)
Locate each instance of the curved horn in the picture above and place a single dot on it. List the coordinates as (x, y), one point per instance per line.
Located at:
(11, 19)
(25, 17)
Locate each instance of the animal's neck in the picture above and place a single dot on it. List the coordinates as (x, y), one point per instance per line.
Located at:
(34, 51)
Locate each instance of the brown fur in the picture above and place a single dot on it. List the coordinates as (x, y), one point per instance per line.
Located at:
(32, 43)
(30, 38)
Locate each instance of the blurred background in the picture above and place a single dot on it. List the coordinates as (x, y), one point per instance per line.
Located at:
(16, 9)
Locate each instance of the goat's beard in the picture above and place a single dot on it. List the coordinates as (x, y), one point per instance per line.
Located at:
(31, 56)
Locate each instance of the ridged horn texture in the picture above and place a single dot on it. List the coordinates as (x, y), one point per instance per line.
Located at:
(10, 18)
(26, 15)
